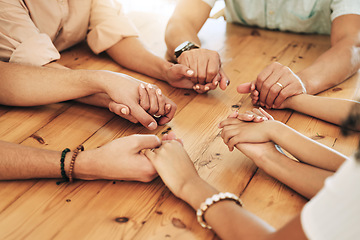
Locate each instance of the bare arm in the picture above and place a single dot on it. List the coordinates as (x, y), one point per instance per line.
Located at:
(119, 160)
(338, 63)
(333, 110)
(227, 219)
(23, 85)
(188, 18)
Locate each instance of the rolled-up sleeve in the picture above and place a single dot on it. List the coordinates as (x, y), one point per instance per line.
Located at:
(344, 7)
(108, 25)
(20, 40)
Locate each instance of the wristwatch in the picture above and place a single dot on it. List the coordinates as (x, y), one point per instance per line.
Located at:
(185, 46)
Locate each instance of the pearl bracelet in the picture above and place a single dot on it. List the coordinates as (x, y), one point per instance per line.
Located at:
(210, 201)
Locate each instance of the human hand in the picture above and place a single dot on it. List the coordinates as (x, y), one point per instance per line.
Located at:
(255, 115)
(120, 159)
(275, 84)
(206, 65)
(173, 164)
(235, 131)
(258, 152)
(125, 94)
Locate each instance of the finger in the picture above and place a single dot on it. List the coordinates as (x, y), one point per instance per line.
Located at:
(287, 92)
(266, 114)
(224, 81)
(233, 141)
(169, 116)
(150, 155)
(244, 88)
(274, 91)
(200, 88)
(144, 97)
(122, 110)
(216, 80)
(213, 68)
(229, 121)
(161, 102)
(254, 97)
(263, 75)
(209, 86)
(229, 133)
(246, 117)
(154, 105)
(234, 114)
(145, 141)
(202, 68)
(267, 85)
(143, 117)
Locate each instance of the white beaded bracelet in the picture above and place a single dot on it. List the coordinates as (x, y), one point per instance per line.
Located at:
(210, 201)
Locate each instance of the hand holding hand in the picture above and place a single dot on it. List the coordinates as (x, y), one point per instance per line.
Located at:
(235, 131)
(273, 86)
(173, 164)
(125, 92)
(206, 65)
(120, 159)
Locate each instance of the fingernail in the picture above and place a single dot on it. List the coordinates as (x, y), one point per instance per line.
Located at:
(251, 115)
(123, 111)
(149, 86)
(206, 88)
(216, 83)
(152, 125)
(142, 85)
(258, 118)
(168, 106)
(190, 72)
(265, 118)
(227, 82)
(159, 92)
(197, 87)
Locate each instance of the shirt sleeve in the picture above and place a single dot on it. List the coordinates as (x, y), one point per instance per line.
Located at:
(334, 213)
(20, 40)
(344, 7)
(210, 2)
(108, 25)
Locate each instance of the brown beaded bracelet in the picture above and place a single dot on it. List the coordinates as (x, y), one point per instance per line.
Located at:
(73, 158)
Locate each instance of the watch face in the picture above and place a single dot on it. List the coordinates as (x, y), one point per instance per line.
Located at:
(185, 46)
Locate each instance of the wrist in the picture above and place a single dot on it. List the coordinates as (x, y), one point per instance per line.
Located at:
(195, 191)
(85, 166)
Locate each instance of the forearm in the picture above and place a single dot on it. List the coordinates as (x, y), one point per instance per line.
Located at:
(304, 148)
(332, 110)
(131, 53)
(228, 219)
(338, 63)
(302, 178)
(188, 18)
(29, 86)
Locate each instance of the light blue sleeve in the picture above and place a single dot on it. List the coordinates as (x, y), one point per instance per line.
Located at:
(343, 7)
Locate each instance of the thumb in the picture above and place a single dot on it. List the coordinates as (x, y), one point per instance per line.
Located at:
(184, 71)
(244, 88)
(147, 141)
(143, 117)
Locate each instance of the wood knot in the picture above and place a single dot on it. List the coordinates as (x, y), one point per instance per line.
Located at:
(235, 106)
(187, 94)
(38, 138)
(336, 89)
(317, 137)
(68, 200)
(255, 33)
(122, 219)
(159, 212)
(178, 223)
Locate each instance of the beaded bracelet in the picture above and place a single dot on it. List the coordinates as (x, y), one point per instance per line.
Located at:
(62, 166)
(210, 201)
(75, 154)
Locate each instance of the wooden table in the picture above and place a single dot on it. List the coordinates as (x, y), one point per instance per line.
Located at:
(40, 209)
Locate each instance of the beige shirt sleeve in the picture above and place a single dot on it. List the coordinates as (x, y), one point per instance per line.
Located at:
(20, 40)
(108, 25)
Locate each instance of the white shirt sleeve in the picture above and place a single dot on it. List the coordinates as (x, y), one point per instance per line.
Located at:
(210, 2)
(20, 40)
(334, 213)
(108, 25)
(344, 7)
